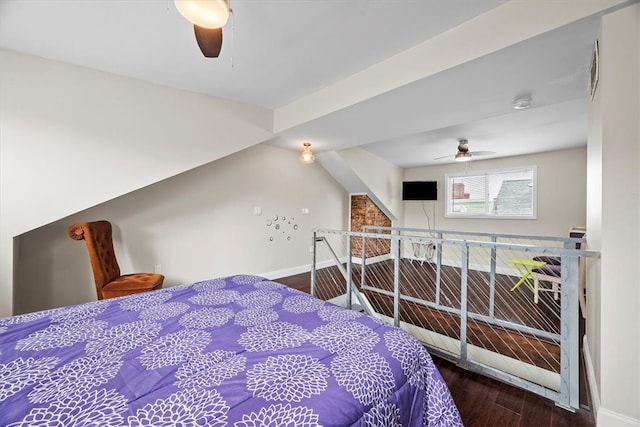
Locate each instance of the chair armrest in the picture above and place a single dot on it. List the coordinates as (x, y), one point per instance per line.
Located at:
(76, 231)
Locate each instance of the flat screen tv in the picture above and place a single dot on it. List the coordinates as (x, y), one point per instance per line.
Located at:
(420, 190)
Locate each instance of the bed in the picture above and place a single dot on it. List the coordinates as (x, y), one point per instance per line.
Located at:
(234, 351)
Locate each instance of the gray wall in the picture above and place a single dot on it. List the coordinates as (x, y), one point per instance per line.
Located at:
(561, 195)
(197, 225)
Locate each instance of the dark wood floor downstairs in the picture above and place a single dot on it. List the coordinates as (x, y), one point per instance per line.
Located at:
(486, 402)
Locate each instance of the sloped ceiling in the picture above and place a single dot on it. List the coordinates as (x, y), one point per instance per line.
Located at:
(287, 55)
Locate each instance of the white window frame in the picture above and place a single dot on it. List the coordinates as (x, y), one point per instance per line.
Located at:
(449, 193)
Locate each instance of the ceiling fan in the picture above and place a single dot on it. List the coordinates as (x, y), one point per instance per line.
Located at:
(208, 17)
(463, 154)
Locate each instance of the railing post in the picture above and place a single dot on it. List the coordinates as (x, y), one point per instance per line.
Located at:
(349, 270)
(464, 274)
(492, 278)
(364, 259)
(569, 383)
(438, 268)
(396, 280)
(313, 265)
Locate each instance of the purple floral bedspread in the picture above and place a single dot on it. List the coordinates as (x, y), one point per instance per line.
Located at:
(238, 351)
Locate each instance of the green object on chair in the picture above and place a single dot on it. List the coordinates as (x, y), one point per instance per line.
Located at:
(524, 267)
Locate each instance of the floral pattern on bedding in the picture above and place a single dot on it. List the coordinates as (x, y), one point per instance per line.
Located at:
(236, 351)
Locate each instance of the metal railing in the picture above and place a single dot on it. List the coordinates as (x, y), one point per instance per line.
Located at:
(467, 296)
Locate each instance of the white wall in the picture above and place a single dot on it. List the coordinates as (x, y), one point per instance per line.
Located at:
(613, 220)
(197, 225)
(72, 137)
(383, 179)
(561, 195)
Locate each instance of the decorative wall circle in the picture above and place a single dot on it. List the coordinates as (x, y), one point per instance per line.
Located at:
(281, 224)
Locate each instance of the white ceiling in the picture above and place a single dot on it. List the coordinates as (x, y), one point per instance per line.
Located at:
(278, 51)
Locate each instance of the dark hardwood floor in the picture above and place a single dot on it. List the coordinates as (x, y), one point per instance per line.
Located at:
(486, 402)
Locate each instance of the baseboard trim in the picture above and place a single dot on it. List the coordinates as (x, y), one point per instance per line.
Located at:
(372, 260)
(603, 416)
(607, 418)
(292, 271)
(286, 272)
(591, 378)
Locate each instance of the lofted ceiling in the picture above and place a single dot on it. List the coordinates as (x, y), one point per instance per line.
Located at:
(276, 53)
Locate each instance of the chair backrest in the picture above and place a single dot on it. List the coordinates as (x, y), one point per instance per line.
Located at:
(577, 233)
(98, 238)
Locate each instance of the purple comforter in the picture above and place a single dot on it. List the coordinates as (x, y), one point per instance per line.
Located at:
(238, 351)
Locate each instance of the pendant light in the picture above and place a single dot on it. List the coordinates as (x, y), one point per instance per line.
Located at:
(307, 156)
(204, 13)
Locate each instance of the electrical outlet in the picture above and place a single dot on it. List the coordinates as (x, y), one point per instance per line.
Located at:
(305, 211)
(257, 211)
(157, 269)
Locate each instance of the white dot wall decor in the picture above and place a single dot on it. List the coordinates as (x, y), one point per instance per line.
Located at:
(281, 227)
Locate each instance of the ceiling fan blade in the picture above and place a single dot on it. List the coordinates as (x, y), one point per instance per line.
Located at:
(463, 153)
(482, 153)
(209, 40)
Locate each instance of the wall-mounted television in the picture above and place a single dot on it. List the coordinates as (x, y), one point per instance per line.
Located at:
(420, 190)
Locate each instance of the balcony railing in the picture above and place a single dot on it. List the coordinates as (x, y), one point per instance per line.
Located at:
(469, 297)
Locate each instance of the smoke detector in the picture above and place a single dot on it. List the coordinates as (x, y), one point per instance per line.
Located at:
(522, 103)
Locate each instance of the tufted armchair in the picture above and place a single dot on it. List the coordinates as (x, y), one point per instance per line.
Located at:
(106, 271)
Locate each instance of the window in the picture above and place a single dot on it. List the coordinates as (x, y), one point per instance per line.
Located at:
(506, 193)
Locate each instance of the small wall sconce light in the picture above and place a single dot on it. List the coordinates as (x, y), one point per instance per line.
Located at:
(307, 156)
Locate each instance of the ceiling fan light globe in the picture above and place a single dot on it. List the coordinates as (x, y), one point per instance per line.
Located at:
(204, 13)
(463, 157)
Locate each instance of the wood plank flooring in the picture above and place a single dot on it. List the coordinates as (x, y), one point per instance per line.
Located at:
(486, 402)
(419, 280)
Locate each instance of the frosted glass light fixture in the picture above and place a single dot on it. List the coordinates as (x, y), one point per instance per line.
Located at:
(307, 156)
(463, 157)
(204, 13)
